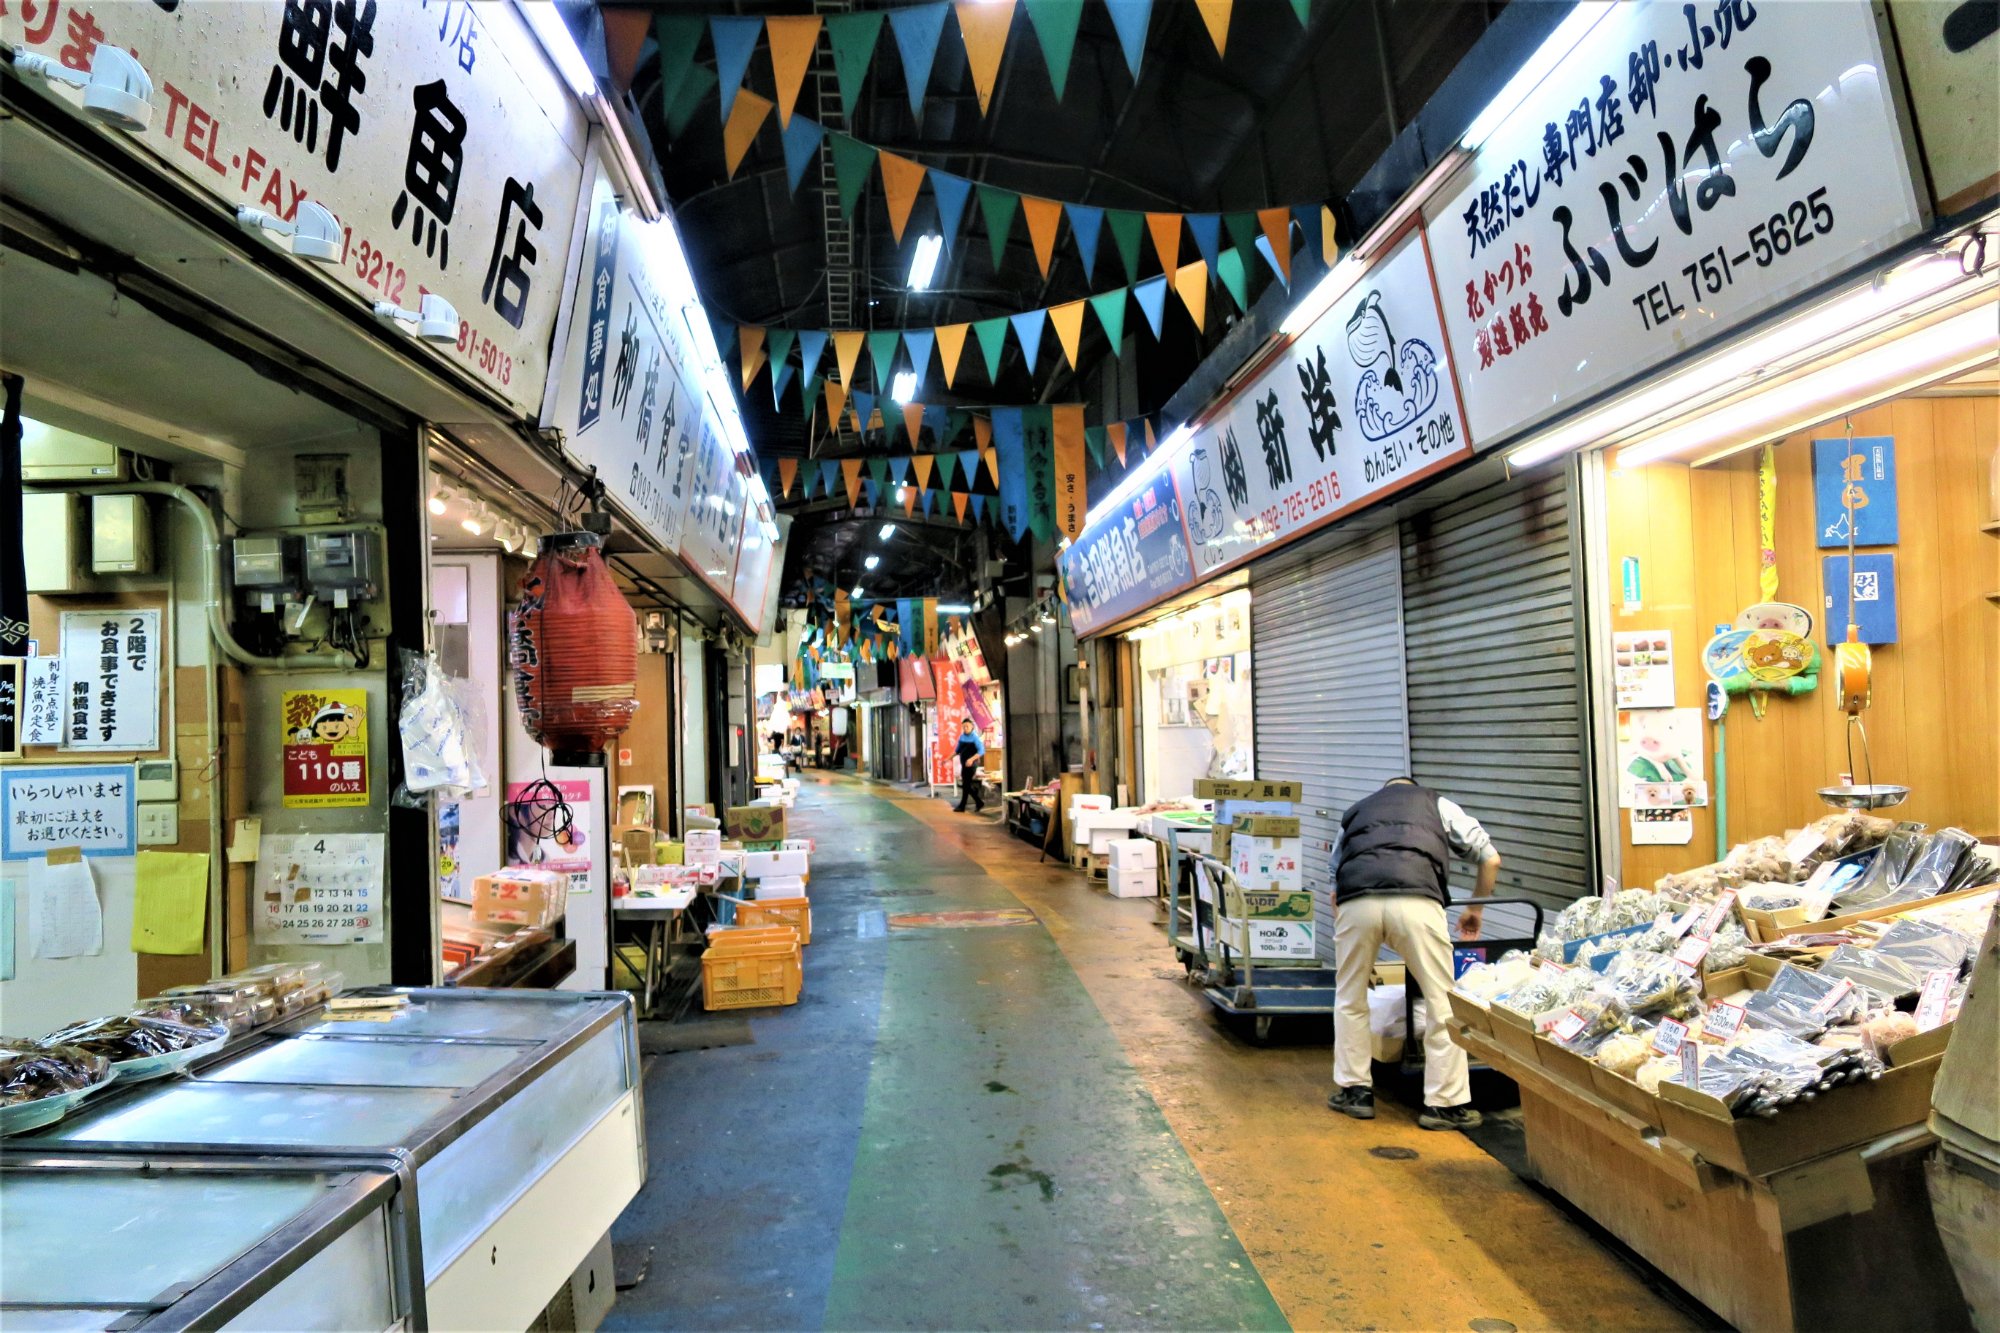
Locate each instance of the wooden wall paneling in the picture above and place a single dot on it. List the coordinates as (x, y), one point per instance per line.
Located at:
(1968, 434)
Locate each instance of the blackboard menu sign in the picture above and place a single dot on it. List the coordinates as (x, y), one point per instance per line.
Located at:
(11, 671)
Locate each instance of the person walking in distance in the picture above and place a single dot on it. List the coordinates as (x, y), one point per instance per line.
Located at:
(971, 751)
(1389, 864)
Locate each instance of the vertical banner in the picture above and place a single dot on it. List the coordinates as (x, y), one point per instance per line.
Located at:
(840, 615)
(1038, 434)
(1009, 445)
(906, 616)
(930, 648)
(1071, 502)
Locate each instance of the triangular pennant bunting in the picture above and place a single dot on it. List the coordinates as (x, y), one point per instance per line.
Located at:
(1068, 322)
(1084, 225)
(899, 469)
(1166, 231)
(997, 207)
(1277, 225)
(1130, 18)
(946, 463)
(1109, 308)
(1125, 231)
(677, 36)
(751, 338)
(992, 458)
(1235, 279)
(968, 465)
(1028, 328)
(1206, 228)
(693, 96)
(1093, 439)
(1042, 215)
(918, 341)
(882, 345)
(788, 471)
(1243, 231)
(812, 344)
(921, 464)
(901, 179)
(1114, 431)
(836, 402)
(1055, 24)
(992, 335)
(917, 28)
(950, 192)
(801, 142)
(984, 25)
(1192, 284)
(852, 37)
(978, 508)
(1152, 298)
(741, 130)
(792, 41)
(829, 472)
(846, 350)
(779, 346)
(852, 468)
(1215, 15)
(853, 161)
(913, 422)
(735, 40)
(951, 343)
(958, 499)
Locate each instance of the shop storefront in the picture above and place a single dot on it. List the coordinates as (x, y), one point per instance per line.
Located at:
(1194, 704)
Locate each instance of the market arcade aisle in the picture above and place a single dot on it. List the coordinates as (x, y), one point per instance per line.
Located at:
(1035, 1124)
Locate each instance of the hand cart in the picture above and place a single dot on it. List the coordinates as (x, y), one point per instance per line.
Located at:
(1464, 954)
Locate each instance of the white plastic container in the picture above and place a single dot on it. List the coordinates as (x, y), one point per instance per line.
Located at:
(781, 886)
(1133, 883)
(1133, 854)
(764, 865)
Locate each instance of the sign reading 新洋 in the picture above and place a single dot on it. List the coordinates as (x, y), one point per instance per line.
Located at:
(1129, 558)
(88, 806)
(1361, 404)
(1683, 168)
(436, 132)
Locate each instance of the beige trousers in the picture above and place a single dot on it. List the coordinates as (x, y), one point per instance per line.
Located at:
(1414, 926)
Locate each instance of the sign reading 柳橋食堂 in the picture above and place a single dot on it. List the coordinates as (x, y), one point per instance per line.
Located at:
(1683, 168)
(111, 680)
(436, 131)
(1130, 557)
(1359, 405)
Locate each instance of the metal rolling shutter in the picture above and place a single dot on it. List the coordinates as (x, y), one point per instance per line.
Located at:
(1327, 678)
(1495, 707)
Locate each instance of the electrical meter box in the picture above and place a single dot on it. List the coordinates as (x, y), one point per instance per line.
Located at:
(264, 564)
(121, 535)
(341, 565)
(320, 481)
(55, 559)
(50, 453)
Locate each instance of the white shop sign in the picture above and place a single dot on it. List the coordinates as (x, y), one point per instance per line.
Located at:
(436, 132)
(111, 680)
(1363, 403)
(1683, 168)
(718, 498)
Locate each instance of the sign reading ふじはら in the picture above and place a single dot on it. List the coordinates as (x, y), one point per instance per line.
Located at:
(435, 130)
(1682, 168)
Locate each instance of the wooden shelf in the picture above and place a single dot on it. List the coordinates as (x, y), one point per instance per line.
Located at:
(1991, 529)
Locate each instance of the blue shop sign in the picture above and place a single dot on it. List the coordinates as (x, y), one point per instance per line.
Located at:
(1130, 558)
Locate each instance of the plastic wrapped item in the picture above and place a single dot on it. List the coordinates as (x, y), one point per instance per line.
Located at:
(438, 722)
(256, 1001)
(1548, 989)
(128, 1037)
(1848, 831)
(1762, 1009)
(1483, 981)
(1655, 1071)
(1729, 948)
(232, 1010)
(30, 1071)
(1650, 983)
(1624, 1052)
(1885, 1029)
(1877, 883)
(1822, 996)
(1588, 917)
(1926, 948)
(1882, 975)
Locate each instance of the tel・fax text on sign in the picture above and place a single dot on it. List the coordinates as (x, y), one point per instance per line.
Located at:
(1683, 167)
(434, 131)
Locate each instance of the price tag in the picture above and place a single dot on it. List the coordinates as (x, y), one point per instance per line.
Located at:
(359, 1016)
(1717, 914)
(1690, 1053)
(1817, 880)
(1691, 951)
(1931, 1001)
(1568, 1026)
(1833, 998)
(1803, 844)
(1723, 1022)
(1667, 1037)
(1610, 886)
(1684, 922)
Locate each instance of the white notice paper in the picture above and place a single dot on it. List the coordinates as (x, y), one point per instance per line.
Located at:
(111, 680)
(41, 711)
(65, 919)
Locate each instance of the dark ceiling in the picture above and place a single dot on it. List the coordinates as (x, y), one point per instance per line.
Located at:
(1290, 116)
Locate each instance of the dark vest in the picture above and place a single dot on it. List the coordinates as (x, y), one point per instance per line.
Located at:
(1393, 842)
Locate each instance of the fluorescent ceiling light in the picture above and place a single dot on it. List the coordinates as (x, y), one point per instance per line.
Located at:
(856, 592)
(904, 387)
(954, 608)
(923, 267)
(871, 562)
(1949, 347)
(888, 530)
(1537, 67)
(547, 22)
(1324, 293)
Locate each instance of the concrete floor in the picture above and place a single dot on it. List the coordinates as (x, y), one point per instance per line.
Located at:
(1040, 1125)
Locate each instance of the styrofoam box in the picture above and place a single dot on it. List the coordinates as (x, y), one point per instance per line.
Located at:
(1106, 829)
(763, 865)
(1084, 825)
(1271, 939)
(781, 886)
(704, 846)
(1134, 854)
(1133, 883)
(1086, 801)
(798, 844)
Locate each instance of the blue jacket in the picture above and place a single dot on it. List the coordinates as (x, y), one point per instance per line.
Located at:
(978, 746)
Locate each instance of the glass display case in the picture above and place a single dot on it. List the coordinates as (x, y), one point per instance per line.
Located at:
(362, 1158)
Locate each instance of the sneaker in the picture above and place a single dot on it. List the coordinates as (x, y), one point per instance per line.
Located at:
(1357, 1102)
(1449, 1117)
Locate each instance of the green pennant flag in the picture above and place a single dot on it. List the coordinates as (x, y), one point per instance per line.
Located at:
(1055, 23)
(778, 344)
(1229, 267)
(1093, 438)
(1125, 232)
(677, 35)
(852, 37)
(882, 346)
(1243, 231)
(1303, 8)
(695, 89)
(997, 207)
(853, 163)
(946, 463)
(1110, 310)
(812, 392)
(878, 468)
(992, 335)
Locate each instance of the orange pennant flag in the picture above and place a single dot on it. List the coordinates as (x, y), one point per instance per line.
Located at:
(846, 347)
(1115, 431)
(836, 403)
(921, 464)
(1166, 230)
(750, 341)
(1215, 13)
(992, 457)
(909, 499)
(982, 435)
(792, 43)
(788, 471)
(950, 343)
(1042, 216)
(1328, 244)
(901, 178)
(745, 119)
(1277, 224)
(913, 421)
(984, 26)
(1068, 321)
(852, 468)
(1152, 442)
(1192, 284)
(1069, 449)
(958, 499)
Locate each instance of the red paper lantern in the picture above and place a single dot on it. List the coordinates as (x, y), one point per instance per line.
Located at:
(574, 647)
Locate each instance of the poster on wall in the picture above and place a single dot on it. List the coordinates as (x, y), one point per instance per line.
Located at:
(13, 676)
(566, 849)
(1660, 746)
(1642, 668)
(326, 748)
(319, 888)
(111, 680)
(1662, 827)
(1868, 598)
(445, 145)
(1363, 403)
(451, 872)
(42, 708)
(1678, 171)
(91, 806)
(1857, 475)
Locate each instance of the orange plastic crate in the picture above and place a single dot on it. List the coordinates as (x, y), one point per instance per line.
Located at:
(793, 912)
(751, 976)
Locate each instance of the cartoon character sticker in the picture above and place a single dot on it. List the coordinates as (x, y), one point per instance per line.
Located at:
(326, 748)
